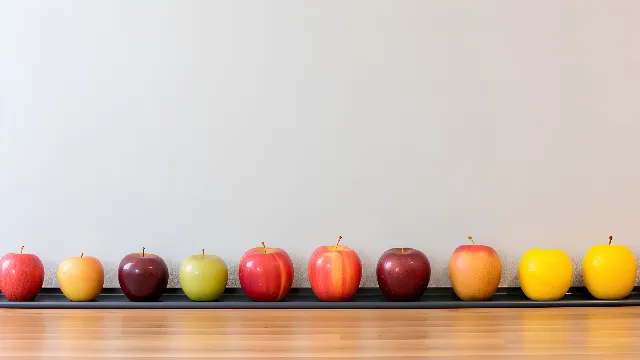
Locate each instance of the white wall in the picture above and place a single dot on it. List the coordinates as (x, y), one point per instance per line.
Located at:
(178, 125)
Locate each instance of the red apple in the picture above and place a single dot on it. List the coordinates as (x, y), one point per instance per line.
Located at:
(403, 274)
(266, 274)
(143, 276)
(335, 272)
(475, 271)
(21, 276)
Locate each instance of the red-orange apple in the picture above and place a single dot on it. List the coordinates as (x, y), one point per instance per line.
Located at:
(81, 278)
(335, 272)
(266, 274)
(475, 271)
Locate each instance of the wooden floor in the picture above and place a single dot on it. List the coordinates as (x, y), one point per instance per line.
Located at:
(579, 333)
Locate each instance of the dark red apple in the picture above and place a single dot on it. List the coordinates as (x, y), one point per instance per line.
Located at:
(143, 276)
(403, 274)
(21, 276)
(266, 274)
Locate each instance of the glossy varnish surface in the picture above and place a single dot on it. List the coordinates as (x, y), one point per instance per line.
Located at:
(560, 333)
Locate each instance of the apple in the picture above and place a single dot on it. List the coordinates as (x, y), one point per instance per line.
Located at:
(203, 277)
(335, 272)
(266, 274)
(403, 274)
(81, 278)
(143, 276)
(609, 271)
(22, 276)
(475, 271)
(545, 274)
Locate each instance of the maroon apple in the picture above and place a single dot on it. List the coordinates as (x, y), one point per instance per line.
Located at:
(266, 274)
(143, 276)
(21, 276)
(403, 274)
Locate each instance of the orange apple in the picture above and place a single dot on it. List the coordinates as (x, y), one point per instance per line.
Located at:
(475, 271)
(81, 278)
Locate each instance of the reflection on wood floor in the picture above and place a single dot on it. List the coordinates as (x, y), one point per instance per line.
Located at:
(562, 333)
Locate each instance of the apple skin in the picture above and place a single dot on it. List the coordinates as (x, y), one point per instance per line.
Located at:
(143, 276)
(403, 274)
(81, 278)
(335, 273)
(474, 272)
(203, 277)
(266, 274)
(22, 276)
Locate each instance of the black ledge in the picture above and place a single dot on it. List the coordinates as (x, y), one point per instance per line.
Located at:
(303, 298)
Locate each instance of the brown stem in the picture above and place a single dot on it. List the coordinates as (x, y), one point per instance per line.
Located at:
(143, 251)
(610, 239)
(81, 255)
(402, 251)
(264, 248)
(471, 238)
(21, 247)
(339, 238)
(202, 252)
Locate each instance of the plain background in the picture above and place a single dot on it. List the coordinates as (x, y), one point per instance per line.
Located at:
(178, 125)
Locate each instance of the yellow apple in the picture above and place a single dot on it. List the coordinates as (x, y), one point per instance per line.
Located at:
(81, 278)
(545, 275)
(609, 271)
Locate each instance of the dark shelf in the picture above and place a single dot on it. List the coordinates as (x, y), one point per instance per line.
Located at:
(303, 298)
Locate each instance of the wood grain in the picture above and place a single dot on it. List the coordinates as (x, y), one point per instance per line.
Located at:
(561, 333)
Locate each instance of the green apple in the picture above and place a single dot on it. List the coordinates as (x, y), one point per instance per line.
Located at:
(203, 277)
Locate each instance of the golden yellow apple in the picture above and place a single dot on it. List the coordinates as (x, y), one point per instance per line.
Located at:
(609, 271)
(545, 275)
(81, 278)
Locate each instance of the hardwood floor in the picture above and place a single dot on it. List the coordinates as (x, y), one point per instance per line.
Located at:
(578, 333)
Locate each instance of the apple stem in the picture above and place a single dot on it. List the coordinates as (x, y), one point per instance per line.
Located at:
(402, 251)
(143, 251)
(610, 239)
(202, 252)
(471, 238)
(264, 247)
(81, 255)
(21, 247)
(339, 238)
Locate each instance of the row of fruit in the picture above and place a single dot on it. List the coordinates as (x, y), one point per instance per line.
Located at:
(266, 274)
